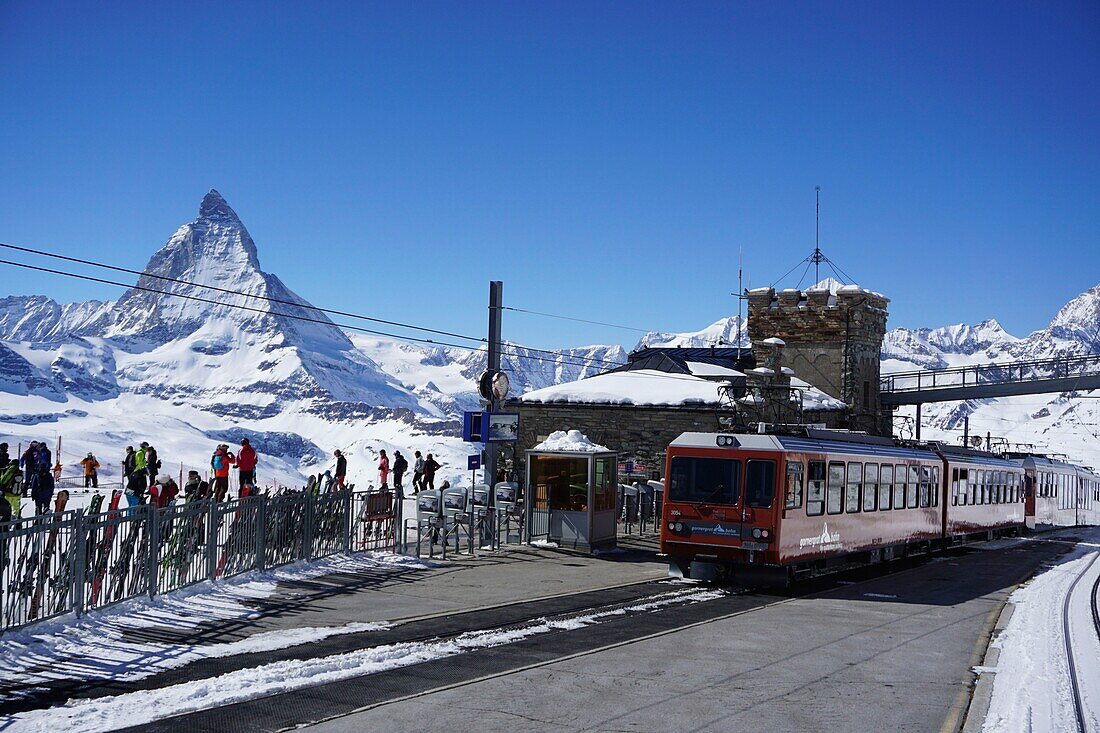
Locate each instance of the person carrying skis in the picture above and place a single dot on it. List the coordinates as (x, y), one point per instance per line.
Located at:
(384, 468)
(430, 467)
(418, 472)
(400, 465)
(220, 462)
(246, 464)
(152, 463)
(91, 471)
(341, 467)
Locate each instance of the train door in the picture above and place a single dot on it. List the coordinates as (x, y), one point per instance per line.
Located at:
(759, 504)
(1029, 499)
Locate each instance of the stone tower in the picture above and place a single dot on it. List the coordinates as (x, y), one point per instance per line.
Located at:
(833, 341)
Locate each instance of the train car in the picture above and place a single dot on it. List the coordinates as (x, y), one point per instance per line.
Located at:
(768, 507)
(1052, 492)
(984, 493)
(1088, 487)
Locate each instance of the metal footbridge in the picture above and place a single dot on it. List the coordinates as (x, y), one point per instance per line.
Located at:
(1009, 379)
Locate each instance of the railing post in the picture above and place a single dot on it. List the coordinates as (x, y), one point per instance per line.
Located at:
(153, 528)
(80, 560)
(212, 539)
(399, 544)
(261, 534)
(307, 529)
(349, 506)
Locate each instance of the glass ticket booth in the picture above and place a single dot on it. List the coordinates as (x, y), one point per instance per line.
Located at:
(572, 498)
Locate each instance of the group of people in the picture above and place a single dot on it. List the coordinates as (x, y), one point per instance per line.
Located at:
(37, 471)
(424, 469)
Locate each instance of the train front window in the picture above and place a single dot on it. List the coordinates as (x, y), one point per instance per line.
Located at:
(759, 483)
(705, 480)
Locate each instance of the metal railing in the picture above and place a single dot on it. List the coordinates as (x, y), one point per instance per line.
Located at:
(73, 562)
(972, 376)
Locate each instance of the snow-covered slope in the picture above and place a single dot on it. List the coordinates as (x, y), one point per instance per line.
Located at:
(724, 332)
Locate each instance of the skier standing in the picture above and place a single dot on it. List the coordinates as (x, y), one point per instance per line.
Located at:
(400, 465)
(4, 458)
(138, 479)
(152, 463)
(195, 488)
(26, 461)
(246, 463)
(91, 472)
(418, 472)
(220, 462)
(430, 467)
(384, 468)
(341, 467)
(42, 489)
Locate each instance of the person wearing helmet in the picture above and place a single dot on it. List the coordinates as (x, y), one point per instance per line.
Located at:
(91, 471)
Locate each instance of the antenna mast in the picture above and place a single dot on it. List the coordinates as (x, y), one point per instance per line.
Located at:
(817, 257)
(740, 294)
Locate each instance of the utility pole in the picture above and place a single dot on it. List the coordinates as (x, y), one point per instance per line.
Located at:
(496, 308)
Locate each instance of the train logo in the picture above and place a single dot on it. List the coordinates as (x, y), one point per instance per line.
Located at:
(825, 540)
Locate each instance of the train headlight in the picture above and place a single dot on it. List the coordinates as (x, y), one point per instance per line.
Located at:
(765, 534)
(756, 533)
(672, 526)
(679, 526)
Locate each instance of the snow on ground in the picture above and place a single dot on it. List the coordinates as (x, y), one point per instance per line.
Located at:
(136, 708)
(105, 645)
(1031, 689)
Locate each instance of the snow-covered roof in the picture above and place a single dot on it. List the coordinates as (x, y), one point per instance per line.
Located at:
(570, 441)
(637, 387)
(650, 388)
(703, 369)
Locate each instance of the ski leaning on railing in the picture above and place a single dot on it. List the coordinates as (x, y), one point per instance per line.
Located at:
(47, 554)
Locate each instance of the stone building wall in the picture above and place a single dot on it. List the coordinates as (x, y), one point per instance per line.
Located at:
(637, 433)
(832, 342)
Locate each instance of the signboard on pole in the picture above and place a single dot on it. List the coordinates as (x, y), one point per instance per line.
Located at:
(502, 427)
(473, 427)
(473, 463)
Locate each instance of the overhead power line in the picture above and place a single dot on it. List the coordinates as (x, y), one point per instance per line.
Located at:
(577, 320)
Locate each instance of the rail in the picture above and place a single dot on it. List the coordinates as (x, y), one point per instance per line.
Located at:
(73, 561)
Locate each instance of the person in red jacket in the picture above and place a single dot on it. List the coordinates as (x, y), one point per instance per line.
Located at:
(220, 463)
(246, 463)
(384, 468)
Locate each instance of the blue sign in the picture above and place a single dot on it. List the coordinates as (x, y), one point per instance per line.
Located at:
(473, 427)
(473, 463)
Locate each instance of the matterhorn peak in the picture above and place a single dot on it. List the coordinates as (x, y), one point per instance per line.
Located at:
(213, 206)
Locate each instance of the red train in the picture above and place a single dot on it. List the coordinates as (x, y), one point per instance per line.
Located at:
(767, 508)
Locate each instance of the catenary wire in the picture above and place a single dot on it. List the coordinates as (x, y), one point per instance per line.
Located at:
(578, 320)
(283, 301)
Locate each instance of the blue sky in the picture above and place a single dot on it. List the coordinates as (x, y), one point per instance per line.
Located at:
(606, 160)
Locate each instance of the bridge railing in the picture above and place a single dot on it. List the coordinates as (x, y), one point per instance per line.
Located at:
(970, 376)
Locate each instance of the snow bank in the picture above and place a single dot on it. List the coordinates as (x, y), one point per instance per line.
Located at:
(570, 441)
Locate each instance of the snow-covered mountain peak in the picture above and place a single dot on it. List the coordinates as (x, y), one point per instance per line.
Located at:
(214, 206)
(1079, 319)
(723, 332)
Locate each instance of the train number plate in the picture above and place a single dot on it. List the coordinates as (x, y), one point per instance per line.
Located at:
(748, 545)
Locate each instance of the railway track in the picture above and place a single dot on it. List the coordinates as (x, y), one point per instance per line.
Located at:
(1075, 684)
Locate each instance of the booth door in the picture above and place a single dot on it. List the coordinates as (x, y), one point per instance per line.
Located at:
(604, 484)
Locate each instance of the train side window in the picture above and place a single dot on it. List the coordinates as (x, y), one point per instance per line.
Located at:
(870, 487)
(936, 486)
(964, 486)
(759, 483)
(794, 484)
(1002, 487)
(834, 503)
(815, 489)
(899, 487)
(925, 487)
(912, 488)
(983, 487)
(855, 480)
(954, 487)
(885, 486)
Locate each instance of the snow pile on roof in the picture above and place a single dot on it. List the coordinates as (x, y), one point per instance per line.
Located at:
(705, 369)
(814, 399)
(635, 387)
(570, 441)
(773, 341)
